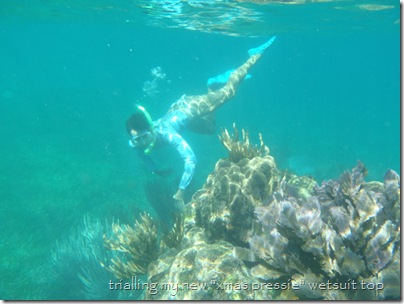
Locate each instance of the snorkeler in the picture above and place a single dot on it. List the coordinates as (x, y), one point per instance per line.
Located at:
(195, 113)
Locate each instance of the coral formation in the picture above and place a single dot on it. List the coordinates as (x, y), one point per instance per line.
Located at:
(139, 243)
(225, 205)
(341, 233)
(255, 225)
(173, 238)
(213, 269)
(239, 149)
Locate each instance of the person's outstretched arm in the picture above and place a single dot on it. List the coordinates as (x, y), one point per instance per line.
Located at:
(189, 164)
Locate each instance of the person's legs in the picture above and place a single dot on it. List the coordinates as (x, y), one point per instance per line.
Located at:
(200, 105)
(215, 83)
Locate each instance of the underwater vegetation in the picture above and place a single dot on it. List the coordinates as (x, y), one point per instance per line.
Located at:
(255, 232)
(75, 271)
(142, 243)
(139, 243)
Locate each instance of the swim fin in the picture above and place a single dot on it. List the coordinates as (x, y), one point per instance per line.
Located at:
(221, 79)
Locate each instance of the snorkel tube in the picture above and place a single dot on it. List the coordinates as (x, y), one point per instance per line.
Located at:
(149, 120)
(146, 115)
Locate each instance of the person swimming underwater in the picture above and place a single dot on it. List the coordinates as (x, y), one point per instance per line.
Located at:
(195, 113)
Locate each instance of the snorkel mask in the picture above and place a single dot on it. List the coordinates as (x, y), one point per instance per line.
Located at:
(145, 137)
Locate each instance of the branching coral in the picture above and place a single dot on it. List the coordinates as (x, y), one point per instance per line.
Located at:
(139, 243)
(173, 238)
(239, 149)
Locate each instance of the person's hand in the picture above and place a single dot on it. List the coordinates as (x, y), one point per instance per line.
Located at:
(179, 198)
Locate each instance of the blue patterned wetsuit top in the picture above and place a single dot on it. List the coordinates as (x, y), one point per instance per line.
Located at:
(167, 130)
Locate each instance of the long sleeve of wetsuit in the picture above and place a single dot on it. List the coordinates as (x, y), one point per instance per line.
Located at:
(187, 155)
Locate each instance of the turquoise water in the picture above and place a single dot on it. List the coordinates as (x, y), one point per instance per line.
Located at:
(326, 94)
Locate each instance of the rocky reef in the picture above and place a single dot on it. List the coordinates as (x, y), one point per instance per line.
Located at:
(254, 232)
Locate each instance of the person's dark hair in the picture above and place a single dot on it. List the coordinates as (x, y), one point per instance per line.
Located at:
(138, 121)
